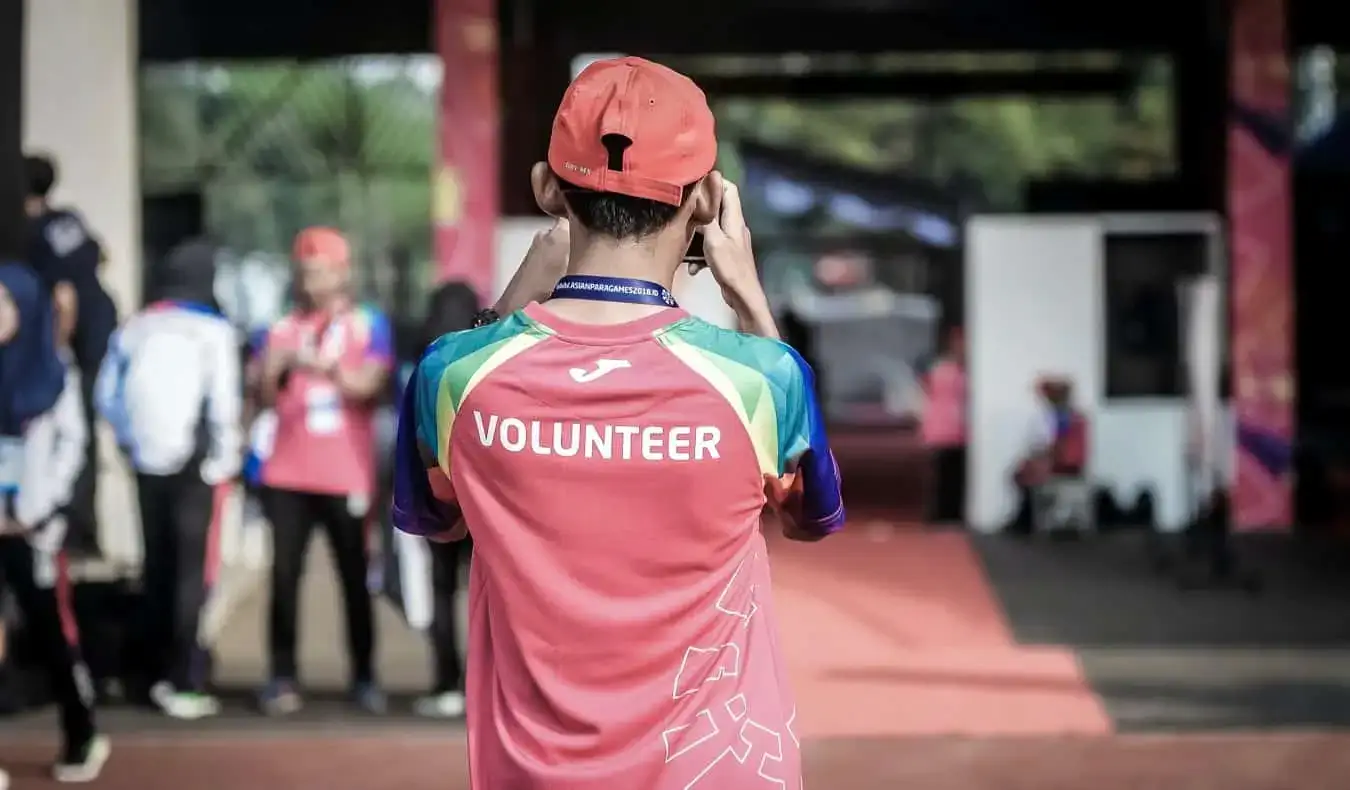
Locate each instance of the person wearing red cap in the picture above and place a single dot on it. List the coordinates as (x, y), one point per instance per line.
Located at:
(613, 458)
(325, 364)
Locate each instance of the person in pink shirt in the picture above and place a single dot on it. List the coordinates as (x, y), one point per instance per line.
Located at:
(325, 365)
(943, 429)
(613, 457)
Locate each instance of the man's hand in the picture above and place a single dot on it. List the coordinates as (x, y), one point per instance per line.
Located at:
(726, 243)
(458, 532)
(276, 361)
(544, 265)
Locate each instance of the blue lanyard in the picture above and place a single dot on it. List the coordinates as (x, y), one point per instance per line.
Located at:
(613, 289)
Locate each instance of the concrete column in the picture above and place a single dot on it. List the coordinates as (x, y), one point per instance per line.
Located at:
(80, 107)
(79, 91)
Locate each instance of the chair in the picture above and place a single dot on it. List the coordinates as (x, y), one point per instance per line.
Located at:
(1063, 502)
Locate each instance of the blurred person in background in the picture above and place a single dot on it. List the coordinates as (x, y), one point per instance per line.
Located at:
(453, 307)
(67, 258)
(325, 367)
(1055, 445)
(943, 430)
(170, 388)
(599, 584)
(42, 437)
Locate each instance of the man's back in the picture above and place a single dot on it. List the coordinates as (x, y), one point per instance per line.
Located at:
(621, 630)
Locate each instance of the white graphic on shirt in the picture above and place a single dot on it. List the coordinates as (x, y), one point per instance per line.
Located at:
(791, 732)
(602, 366)
(739, 600)
(702, 666)
(706, 665)
(753, 740)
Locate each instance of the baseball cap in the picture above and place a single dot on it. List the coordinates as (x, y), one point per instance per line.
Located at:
(321, 242)
(650, 122)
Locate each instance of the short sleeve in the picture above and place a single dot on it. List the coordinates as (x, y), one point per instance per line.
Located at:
(423, 494)
(799, 414)
(803, 447)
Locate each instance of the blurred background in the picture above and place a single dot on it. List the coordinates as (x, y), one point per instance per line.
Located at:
(1063, 272)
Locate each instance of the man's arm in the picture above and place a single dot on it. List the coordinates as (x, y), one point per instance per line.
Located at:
(807, 495)
(66, 302)
(370, 378)
(276, 362)
(754, 317)
(224, 406)
(545, 263)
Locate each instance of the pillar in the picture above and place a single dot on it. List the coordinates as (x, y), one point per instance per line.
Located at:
(11, 129)
(79, 105)
(1261, 287)
(467, 199)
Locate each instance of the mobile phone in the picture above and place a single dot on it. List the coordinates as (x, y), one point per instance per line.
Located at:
(695, 256)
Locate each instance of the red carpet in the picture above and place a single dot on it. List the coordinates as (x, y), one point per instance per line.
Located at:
(895, 631)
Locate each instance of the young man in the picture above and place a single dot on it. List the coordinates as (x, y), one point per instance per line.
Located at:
(170, 387)
(325, 366)
(67, 258)
(613, 457)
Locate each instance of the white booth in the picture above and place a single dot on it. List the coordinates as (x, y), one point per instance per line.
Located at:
(1036, 304)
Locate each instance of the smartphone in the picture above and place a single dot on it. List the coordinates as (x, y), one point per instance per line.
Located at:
(694, 256)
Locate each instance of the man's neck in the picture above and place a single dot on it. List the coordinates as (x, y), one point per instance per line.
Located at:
(631, 261)
(618, 259)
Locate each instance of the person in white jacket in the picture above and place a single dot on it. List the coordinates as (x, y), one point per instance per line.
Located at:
(170, 387)
(42, 442)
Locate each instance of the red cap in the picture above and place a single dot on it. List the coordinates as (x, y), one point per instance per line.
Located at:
(661, 112)
(320, 242)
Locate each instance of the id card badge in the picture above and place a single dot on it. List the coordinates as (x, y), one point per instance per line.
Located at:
(323, 409)
(11, 463)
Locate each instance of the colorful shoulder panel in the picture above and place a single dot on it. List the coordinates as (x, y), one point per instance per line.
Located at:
(451, 367)
(772, 390)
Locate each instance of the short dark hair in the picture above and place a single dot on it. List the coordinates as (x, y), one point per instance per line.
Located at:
(620, 216)
(40, 173)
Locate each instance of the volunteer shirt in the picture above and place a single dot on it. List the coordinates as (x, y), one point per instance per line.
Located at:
(622, 630)
(324, 443)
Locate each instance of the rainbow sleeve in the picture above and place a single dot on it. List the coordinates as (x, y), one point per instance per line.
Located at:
(772, 390)
(803, 444)
(450, 369)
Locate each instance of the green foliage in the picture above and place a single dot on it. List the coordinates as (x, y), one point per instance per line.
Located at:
(274, 147)
(997, 143)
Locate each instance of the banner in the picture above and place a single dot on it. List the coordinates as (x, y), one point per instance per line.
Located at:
(1261, 274)
(466, 190)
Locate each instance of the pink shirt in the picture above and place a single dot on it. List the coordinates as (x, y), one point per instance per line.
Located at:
(622, 629)
(944, 418)
(325, 443)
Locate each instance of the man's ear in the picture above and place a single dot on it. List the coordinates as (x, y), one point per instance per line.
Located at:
(706, 199)
(547, 191)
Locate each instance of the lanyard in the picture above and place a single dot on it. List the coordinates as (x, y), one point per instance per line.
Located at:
(613, 289)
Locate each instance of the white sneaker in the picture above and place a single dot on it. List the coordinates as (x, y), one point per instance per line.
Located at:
(86, 765)
(449, 705)
(186, 705)
(4, 780)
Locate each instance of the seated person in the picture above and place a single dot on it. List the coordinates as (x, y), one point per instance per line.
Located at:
(1056, 447)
